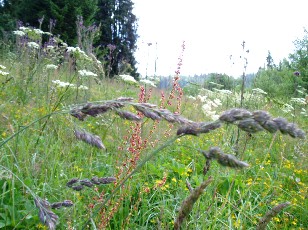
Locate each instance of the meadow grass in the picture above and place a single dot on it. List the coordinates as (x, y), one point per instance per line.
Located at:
(153, 167)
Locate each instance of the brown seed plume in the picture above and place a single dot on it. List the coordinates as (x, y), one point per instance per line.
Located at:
(89, 138)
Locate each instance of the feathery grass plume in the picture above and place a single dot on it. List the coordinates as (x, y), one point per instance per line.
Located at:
(89, 138)
(270, 126)
(96, 109)
(71, 182)
(260, 120)
(106, 180)
(172, 117)
(195, 128)
(78, 114)
(232, 115)
(128, 115)
(223, 159)
(270, 214)
(65, 203)
(77, 187)
(47, 217)
(261, 116)
(86, 182)
(250, 125)
(282, 124)
(189, 202)
(147, 113)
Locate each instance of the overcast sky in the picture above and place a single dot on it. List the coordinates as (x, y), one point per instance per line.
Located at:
(213, 30)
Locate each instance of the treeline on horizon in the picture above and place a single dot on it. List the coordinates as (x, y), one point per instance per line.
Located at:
(112, 22)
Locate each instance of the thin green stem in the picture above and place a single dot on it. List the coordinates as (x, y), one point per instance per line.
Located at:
(27, 126)
(139, 166)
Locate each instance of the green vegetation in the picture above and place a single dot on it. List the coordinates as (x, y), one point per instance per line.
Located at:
(84, 148)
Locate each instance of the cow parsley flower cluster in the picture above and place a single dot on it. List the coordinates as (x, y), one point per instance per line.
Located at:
(209, 108)
(33, 45)
(19, 33)
(127, 78)
(77, 51)
(259, 91)
(62, 84)
(299, 101)
(287, 108)
(222, 91)
(51, 66)
(147, 82)
(3, 73)
(86, 73)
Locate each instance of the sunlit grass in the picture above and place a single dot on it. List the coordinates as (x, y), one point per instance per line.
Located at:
(46, 155)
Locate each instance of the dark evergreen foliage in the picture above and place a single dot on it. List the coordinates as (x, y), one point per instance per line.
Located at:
(119, 31)
(117, 21)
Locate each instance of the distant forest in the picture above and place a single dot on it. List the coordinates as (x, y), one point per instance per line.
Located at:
(111, 22)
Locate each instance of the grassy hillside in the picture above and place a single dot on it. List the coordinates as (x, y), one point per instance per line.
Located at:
(80, 151)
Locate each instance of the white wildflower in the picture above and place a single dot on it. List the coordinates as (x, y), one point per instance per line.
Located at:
(86, 73)
(77, 50)
(62, 84)
(202, 98)
(287, 108)
(223, 91)
(215, 117)
(304, 112)
(33, 45)
(50, 47)
(217, 102)
(206, 107)
(214, 83)
(64, 44)
(128, 78)
(299, 100)
(51, 66)
(83, 87)
(19, 33)
(148, 82)
(24, 28)
(192, 97)
(70, 49)
(47, 33)
(2, 67)
(38, 31)
(2, 73)
(258, 90)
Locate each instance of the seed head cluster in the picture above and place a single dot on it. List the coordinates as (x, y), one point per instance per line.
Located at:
(222, 158)
(259, 121)
(47, 217)
(89, 138)
(77, 184)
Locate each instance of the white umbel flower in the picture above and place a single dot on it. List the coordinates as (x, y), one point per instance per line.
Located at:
(127, 78)
(33, 45)
(86, 73)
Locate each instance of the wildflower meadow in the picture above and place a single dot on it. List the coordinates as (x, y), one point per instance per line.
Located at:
(81, 150)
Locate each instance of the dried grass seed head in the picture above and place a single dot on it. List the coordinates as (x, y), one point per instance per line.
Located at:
(128, 115)
(235, 114)
(89, 138)
(250, 125)
(282, 124)
(270, 126)
(261, 116)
